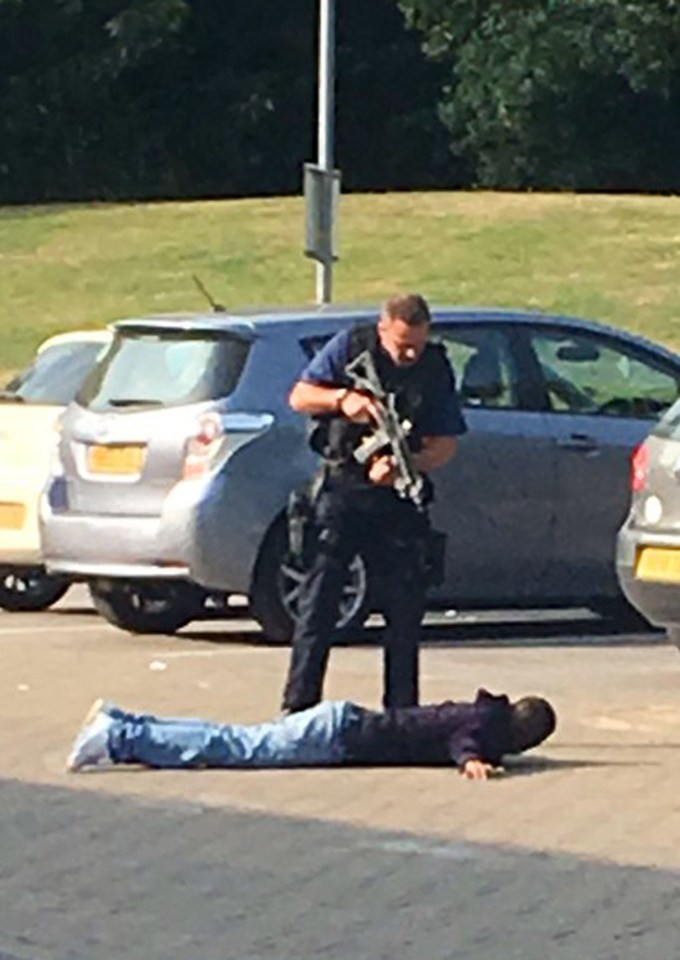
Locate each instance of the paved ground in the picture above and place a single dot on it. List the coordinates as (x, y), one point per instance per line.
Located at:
(574, 853)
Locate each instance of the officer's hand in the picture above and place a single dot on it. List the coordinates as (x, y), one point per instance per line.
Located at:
(382, 471)
(358, 407)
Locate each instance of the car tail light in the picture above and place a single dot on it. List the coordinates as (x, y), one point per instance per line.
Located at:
(203, 446)
(56, 466)
(639, 468)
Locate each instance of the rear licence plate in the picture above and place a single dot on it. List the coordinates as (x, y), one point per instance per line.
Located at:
(658, 563)
(116, 459)
(12, 516)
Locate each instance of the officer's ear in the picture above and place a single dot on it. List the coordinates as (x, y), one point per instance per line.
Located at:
(385, 325)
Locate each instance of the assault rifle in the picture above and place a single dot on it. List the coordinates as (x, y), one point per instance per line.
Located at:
(390, 433)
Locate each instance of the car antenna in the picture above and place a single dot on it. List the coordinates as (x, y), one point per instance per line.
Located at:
(217, 307)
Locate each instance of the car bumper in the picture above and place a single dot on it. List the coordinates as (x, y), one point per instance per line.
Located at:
(19, 534)
(91, 546)
(187, 540)
(658, 602)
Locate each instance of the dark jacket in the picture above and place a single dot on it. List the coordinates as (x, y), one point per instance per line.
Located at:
(439, 734)
(335, 438)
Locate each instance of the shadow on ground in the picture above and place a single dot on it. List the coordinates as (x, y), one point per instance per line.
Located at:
(481, 628)
(585, 632)
(85, 876)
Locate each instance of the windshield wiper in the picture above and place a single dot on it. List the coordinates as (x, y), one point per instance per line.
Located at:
(7, 396)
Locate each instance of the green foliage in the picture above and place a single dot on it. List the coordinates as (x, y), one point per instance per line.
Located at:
(60, 61)
(111, 99)
(566, 93)
(103, 99)
(144, 26)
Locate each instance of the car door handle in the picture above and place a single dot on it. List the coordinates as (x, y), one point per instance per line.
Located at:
(580, 443)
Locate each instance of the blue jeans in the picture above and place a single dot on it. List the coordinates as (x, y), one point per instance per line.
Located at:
(312, 737)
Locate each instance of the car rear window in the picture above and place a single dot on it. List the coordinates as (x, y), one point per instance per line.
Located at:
(165, 370)
(56, 374)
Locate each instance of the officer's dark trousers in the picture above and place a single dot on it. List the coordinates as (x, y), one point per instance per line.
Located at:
(388, 532)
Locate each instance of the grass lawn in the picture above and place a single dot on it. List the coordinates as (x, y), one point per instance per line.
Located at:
(613, 258)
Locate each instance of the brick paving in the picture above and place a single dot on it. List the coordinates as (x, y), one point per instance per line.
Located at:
(573, 853)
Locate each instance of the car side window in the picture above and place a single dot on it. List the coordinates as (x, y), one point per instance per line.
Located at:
(312, 345)
(588, 374)
(482, 360)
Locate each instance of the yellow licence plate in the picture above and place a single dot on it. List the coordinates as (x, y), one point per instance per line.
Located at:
(116, 459)
(12, 516)
(658, 563)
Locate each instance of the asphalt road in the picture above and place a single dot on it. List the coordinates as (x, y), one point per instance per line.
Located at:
(574, 852)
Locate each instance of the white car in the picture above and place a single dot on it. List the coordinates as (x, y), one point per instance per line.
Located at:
(29, 408)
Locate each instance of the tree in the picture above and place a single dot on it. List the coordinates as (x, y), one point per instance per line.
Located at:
(570, 93)
(59, 63)
(114, 99)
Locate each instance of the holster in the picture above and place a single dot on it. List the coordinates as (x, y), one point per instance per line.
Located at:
(300, 526)
(301, 516)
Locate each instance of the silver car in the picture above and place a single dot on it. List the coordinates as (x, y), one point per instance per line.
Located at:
(648, 544)
(178, 456)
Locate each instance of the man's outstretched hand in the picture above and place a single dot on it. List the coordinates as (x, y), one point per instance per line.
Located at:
(477, 770)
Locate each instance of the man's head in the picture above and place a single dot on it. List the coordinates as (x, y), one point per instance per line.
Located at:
(532, 720)
(404, 327)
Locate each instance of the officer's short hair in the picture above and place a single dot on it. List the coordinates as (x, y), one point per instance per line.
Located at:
(532, 719)
(409, 307)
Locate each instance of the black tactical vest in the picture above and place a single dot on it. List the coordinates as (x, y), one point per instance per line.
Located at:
(335, 437)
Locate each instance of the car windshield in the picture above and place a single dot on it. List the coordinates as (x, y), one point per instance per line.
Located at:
(164, 369)
(55, 375)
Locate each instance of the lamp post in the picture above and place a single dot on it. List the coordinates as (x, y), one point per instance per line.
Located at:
(321, 180)
(326, 82)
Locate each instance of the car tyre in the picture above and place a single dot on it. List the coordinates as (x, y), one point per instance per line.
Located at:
(30, 590)
(276, 586)
(146, 607)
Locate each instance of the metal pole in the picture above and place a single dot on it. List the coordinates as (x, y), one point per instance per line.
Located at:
(324, 271)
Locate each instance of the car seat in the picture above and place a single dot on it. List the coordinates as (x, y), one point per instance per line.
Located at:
(482, 381)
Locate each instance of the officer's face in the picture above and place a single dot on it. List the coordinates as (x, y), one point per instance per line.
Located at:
(404, 343)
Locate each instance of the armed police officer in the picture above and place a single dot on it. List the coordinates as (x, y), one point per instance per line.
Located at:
(361, 507)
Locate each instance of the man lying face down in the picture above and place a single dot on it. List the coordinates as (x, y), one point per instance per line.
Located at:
(472, 736)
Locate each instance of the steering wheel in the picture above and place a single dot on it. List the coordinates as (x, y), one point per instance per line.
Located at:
(645, 408)
(620, 407)
(575, 399)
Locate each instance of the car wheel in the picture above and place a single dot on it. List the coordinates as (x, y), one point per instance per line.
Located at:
(276, 590)
(30, 590)
(146, 607)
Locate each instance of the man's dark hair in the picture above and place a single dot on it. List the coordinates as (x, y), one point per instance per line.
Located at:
(532, 719)
(409, 307)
